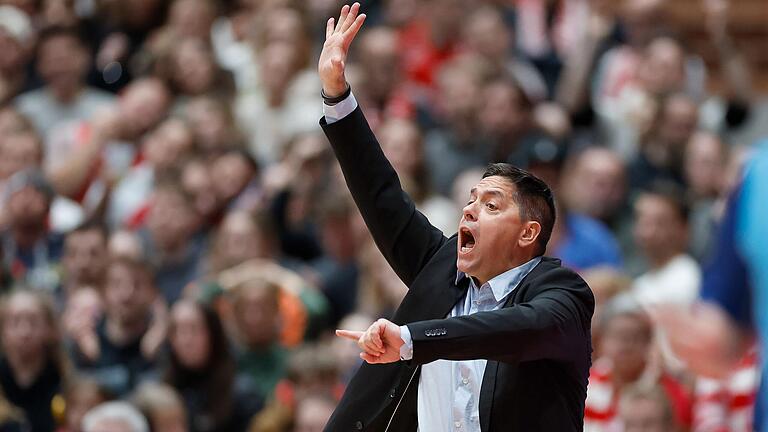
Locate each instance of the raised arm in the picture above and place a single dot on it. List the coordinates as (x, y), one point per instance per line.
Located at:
(404, 236)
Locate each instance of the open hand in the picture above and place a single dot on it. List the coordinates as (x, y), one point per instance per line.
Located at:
(338, 37)
(380, 343)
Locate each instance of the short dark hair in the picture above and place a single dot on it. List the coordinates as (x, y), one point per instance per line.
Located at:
(673, 194)
(54, 31)
(534, 198)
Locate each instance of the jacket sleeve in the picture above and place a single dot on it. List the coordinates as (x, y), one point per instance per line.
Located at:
(403, 235)
(553, 325)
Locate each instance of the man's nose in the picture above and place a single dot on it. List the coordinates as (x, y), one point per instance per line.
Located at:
(469, 212)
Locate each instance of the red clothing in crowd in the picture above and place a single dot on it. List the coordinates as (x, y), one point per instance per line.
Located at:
(602, 405)
(727, 405)
(421, 58)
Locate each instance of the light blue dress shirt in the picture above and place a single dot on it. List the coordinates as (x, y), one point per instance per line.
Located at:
(449, 391)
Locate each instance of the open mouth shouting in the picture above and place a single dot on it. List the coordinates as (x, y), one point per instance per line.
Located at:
(466, 240)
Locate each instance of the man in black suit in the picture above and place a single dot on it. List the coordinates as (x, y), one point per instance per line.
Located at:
(492, 335)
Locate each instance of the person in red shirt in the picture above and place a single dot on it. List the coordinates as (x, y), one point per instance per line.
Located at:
(625, 360)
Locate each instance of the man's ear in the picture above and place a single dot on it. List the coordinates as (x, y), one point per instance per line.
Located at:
(530, 233)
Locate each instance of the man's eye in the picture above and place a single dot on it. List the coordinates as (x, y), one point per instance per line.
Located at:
(470, 202)
(491, 206)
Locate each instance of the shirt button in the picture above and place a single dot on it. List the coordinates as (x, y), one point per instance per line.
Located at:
(457, 424)
(465, 381)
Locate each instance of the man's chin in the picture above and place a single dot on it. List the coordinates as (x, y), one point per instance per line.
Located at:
(463, 264)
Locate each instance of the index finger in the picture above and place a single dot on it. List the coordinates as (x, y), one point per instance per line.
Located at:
(349, 334)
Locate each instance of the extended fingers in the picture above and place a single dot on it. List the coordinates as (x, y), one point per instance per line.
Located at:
(352, 30)
(351, 17)
(342, 17)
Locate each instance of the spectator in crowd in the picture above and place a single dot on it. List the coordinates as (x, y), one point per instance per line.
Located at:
(84, 260)
(162, 149)
(646, 409)
(203, 371)
(380, 288)
(82, 312)
(257, 322)
(161, 406)
(617, 68)
(312, 413)
(304, 400)
(594, 184)
(33, 367)
(453, 144)
(131, 332)
(295, 200)
(338, 269)
(196, 180)
(728, 403)
(385, 93)
(580, 241)
(662, 149)
(303, 310)
(63, 64)
(30, 250)
(80, 394)
(548, 31)
(20, 150)
(285, 103)
(236, 182)
(213, 125)
(486, 34)
(661, 234)
(241, 237)
(506, 120)
(626, 360)
(190, 18)
(170, 241)
(705, 160)
(82, 156)
(429, 40)
(606, 283)
(115, 416)
(191, 70)
(16, 39)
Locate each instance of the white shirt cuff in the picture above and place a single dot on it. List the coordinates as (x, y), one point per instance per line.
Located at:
(406, 351)
(334, 113)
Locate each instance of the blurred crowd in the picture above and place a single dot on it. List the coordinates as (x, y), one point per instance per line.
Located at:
(177, 242)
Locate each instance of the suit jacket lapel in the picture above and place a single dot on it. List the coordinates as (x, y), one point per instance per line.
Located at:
(435, 299)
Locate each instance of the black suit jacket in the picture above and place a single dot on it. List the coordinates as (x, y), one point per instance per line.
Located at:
(538, 345)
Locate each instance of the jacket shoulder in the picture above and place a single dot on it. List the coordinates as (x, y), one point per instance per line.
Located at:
(551, 274)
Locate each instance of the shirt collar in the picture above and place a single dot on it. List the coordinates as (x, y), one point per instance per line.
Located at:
(503, 284)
